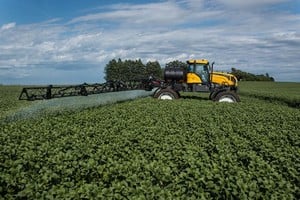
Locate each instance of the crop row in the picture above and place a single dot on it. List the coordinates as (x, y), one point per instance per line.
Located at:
(274, 92)
(9, 100)
(150, 149)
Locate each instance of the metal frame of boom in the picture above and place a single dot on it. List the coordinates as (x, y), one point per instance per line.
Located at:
(50, 92)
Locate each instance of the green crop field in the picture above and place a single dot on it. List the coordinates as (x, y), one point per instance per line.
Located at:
(9, 100)
(190, 148)
(286, 93)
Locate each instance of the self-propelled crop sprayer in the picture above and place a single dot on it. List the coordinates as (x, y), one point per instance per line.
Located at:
(198, 77)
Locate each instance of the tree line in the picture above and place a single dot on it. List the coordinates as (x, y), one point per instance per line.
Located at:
(128, 70)
(246, 76)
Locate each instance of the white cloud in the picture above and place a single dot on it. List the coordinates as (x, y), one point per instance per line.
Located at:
(8, 26)
(161, 13)
(163, 31)
(194, 4)
(151, 15)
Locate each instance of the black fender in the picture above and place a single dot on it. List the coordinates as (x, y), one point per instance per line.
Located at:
(215, 92)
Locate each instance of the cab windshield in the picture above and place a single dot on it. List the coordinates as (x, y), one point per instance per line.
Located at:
(201, 70)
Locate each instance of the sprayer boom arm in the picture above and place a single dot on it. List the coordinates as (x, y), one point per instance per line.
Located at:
(49, 92)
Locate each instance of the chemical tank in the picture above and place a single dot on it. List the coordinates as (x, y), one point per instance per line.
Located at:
(175, 74)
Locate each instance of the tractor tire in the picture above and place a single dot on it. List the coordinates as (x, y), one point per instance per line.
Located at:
(166, 94)
(212, 95)
(227, 96)
(156, 91)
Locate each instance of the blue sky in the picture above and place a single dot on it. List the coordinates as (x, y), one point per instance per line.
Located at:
(71, 41)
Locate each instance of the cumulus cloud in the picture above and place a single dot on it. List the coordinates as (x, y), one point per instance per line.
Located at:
(151, 15)
(163, 31)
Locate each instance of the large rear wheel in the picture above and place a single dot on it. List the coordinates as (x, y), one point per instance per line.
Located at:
(166, 94)
(227, 96)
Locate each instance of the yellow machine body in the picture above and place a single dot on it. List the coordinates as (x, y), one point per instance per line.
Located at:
(193, 78)
(201, 68)
(200, 61)
(224, 79)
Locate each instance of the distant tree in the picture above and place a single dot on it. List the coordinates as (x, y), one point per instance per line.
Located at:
(177, 64)
(245, 76)
(112, 70)
(154, 69)
(129, 70)
(137, 70)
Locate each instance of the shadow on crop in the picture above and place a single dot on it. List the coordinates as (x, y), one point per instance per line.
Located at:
(195, 97)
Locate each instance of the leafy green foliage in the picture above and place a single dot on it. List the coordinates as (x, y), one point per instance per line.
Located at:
(131, 70)
(153, 69)
(275, 92)
(177, 64)
(150, 149)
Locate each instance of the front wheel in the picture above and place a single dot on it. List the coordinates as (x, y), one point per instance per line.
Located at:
(166, 94)
(227, 96)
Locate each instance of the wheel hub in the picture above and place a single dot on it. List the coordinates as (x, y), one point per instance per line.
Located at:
(228, 99)
(166, 97)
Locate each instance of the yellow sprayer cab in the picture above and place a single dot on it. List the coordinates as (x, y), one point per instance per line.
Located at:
(201, 72)
(198, 71)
